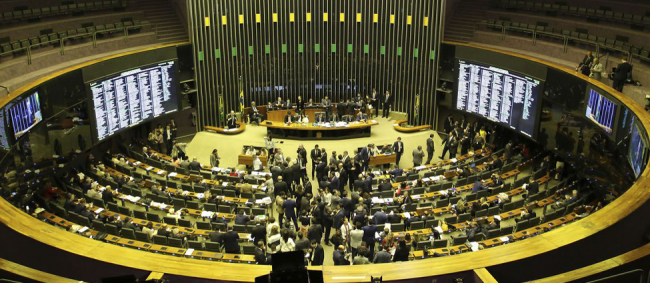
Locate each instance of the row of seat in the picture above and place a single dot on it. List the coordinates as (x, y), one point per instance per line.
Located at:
(24, 13)
(605, 43)
(601, 14)
(20, 46)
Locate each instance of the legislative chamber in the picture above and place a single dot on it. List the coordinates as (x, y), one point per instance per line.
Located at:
(324, 141)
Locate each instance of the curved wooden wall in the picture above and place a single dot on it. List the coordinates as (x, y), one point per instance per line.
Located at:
(560, 237)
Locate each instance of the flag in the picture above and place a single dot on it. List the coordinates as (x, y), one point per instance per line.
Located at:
(416, 113)
(222, 112)
(241, 95)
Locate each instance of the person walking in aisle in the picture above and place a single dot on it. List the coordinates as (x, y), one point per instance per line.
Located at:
(398, 148)
(430, 149)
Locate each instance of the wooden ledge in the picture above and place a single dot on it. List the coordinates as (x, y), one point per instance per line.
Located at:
(241, 128)
(397, 126)
(36, 275)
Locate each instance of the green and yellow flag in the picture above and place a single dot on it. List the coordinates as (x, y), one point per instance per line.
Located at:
(222, 112)
(241, 95)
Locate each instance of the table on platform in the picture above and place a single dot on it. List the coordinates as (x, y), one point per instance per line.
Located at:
(318, 131)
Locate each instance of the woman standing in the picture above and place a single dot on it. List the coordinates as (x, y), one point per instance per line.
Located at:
(596, 69)
(214, 158)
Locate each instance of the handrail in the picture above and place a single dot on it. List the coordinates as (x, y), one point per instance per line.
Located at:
(621, 274)
(552, 241)
(565, 38)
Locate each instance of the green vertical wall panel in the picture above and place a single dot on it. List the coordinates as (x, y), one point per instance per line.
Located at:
(200, 56)
(267, 49)
(415, 53)
(316, 47)
(300, 49)
(350, 48)
(284, 48)
(217, 53)
(333, 47)
(234, 51)
(366, 49)
(250, 50)
(399, 51)
(382, 50)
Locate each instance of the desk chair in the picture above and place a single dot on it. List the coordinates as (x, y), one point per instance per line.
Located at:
(175, 242)
(239, 228)
(493, 233)
(210, 207)
(212, 246)
(432, 223)
(507, 230)
(195, 245)
(219, 227)
(454, 200)
(203, 225)
(170, 220)
(481, 213)
(124, 210)
(142, 237)
(417, 225)
(193, 205)
(440, 243)
(479, 237)
(397, 227)
(451, 219)
(127, 233)
(185, 223)
(257, 211)
(534, 222)
(442, 203)
(464, 217)
(98, 225)
(225, 209)
(459, 240)
(111, 229)
(493, 211)
(423, 245)
(471, 197)
(229, 193)
(246, 195)
(200, 189)
(248, 249)
(112, 207)
(178, 203)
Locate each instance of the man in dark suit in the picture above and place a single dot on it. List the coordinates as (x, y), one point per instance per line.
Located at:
(195, 165)
(364, 157)
(287, 176)
(620, 76)
(241, 219)
(288, 119)
(280, 186)
(315, 154)
(259, 232)
(320, 170)
(341, 107)
(385, 186)
(430, 149)
(533, 188)
(449, 124)
(317, 254)
(215, 236)
(350, 107)
(387, 101)
(230, 241)
(380, 217)
(453, 147)
(260, 253)
(374, 101)
(290, 207)
(327, 106)
(382, 256)
(297, 173)
(340, 257)
(398, 148)
(478, 186)
(232, 120)
(315, 231)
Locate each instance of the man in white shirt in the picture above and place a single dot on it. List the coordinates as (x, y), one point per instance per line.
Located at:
(257, 163)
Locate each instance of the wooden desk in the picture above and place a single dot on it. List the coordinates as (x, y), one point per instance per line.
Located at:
(398, 127)
(205, 255)
(241, 126)
(248, 159)
(382, 159)
(133, 244)
(309, 131)
(278, 115)
(167, 250)
(238, 258)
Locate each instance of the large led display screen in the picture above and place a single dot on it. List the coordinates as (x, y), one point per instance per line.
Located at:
(601, 110)
(499, 95)
(133, 97)
(636, 152)
(25, 114)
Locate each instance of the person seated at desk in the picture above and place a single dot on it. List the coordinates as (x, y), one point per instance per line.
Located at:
(279, 104)
(288, 119)
(288, 104)
(361, 116)
(303, 119)
(254, 113)
(310, 103)
(387, 149)
(269, 107)
(232, 120)
(320, 118)
(497, 181)
(478, 186)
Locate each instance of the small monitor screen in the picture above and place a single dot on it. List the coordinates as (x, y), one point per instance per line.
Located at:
(25, 114)
(500, 95)
(133, 97)
(601, 110)
(637, 151)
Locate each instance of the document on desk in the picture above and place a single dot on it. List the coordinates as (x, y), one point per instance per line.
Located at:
(504, 239)
(172, 174)
(453, 160)
(225, 184)
(98, 211)
(160, 172)
(83, 229)
(427, 179)
(422, 167)
(207, 214)
(200, 195)
(439, 229)
(416, 196)
(497, 217)
(149, 168)
(189, 251)
(473, 246)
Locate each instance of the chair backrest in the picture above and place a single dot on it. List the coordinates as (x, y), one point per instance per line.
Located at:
(482, 213)
(111, 229)
(127, 233)
(178, 203)
(507, 230)
(239, 228)
(417, 225)
(459, 240)
(153, 217)
(442, 203)
(493, 233)
(464, 217)
(224, 209)
(175, 242)
(493, 211)
(397, 227)
(423, 245)
(432, 222)
(124, 210)
(142, 236)
(451, 219)
(210, 207)
(440, 243)
(159, 240)
(248, 249)
(212, 246)
(170, 220)
(203, 225)
(140, 214)
(522, 225)
(185, 223)
(195, 245)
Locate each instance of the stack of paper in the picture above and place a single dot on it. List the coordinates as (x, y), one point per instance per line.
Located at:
(161, 172)
(504, 239)
(207, 214)
(439, 229)
(172, 174)
(420, 167)
(473, 246)
(453, 160)
(149, 168)
(189, 251)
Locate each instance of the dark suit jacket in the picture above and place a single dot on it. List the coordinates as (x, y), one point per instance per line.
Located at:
(287, 175)
(280, 187)
(286, 119)
(339, 259)
(258, 233)
(382, 257)
(380, 217)
(364, 155)
(401, 149)
(317, 256)
(430, 146)
(289, 207)
(315, 153)
(622, 70)
(230, 242)
(315, 232)
(388, 101)
(214, 236)
(260, 256)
